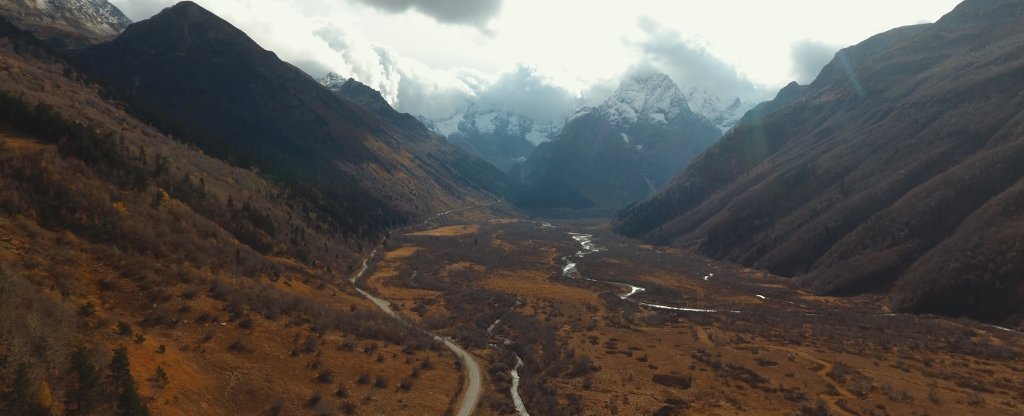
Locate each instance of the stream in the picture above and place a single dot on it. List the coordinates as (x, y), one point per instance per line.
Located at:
(587, 246)
(517, 399)
(473, 390)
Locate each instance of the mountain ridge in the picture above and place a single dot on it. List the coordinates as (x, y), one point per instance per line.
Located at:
(207, 79)
(865, 179)
(617, 152)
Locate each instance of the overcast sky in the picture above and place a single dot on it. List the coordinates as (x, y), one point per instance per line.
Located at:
(545, 56)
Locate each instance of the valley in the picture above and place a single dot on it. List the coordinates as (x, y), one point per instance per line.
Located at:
(192, 224)
(606, 325)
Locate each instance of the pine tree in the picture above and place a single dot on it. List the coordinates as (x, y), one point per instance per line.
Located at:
(128, 403)
(83, 393)
(22, 386)
(120, 370)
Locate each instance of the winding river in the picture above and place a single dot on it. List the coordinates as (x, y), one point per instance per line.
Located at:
(587, 246)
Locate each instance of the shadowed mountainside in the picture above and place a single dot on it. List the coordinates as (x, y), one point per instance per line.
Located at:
(618, 152)
(194, 74)
(898, 169)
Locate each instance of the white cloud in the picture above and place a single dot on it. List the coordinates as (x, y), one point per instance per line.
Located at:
(809, 57)
(141, 9)
(691, 65)
(432, 57)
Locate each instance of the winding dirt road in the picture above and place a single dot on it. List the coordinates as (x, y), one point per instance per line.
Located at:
(473, 391)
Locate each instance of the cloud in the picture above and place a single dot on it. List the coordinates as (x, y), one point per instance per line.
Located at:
(526, 91)
(690, 65)
(413, 87)
(407, 84)
(319, 44)
(808, 57)
(142, 9)
(467, 12)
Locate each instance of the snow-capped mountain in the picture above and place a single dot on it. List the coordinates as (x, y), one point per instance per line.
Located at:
(498, 134)
(652, 98)
(357, 92)
(69, 22)
(723, 113)
(333, 81)
(619, 151)
(480, 119)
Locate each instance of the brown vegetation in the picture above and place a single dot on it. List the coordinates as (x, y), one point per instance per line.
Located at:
(210, 276)
(789, 353)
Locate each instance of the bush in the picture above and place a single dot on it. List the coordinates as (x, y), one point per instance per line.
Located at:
(325, 377)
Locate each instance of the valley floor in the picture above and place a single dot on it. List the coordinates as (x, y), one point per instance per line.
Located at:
(636, 329)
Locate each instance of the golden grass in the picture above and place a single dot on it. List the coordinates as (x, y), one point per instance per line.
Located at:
(449, 231)
(400, 253)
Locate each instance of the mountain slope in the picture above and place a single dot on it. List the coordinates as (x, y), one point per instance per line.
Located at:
(198, 76)
(66, 23)
(898, 169)
(618, 152)
(211, 276)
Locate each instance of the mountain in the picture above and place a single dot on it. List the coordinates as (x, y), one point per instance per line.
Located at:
(370, 99)
(194, 74)
(200, 278)
(618, 152)
(66, 23)
(495, 133)
(899, 170)
(723, 113)
(358, 93)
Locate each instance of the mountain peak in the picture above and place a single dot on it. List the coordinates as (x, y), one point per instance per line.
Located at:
(649, 97)
(188, 28)
(711, 106)
(333, 80)
(357, 92)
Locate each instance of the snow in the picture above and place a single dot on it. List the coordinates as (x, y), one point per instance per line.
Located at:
(447, 127)
(497, 121)
(536, 137)
(333, 81)
(485, 123)
(655, 98)
(98, 16)
(723, 113)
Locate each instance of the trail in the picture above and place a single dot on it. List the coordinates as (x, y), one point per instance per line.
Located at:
(470, 395)
(496, 201)
(826, 367)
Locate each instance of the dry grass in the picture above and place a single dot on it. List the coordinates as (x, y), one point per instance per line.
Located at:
(774, 359)
(449, 231)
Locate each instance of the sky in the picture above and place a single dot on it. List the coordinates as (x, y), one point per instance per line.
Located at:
(543, 58)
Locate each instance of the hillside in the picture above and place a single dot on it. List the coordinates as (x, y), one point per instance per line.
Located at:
(193, 74)
(66, 23)
(898, 170)
(618, 152)
(210, 276)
